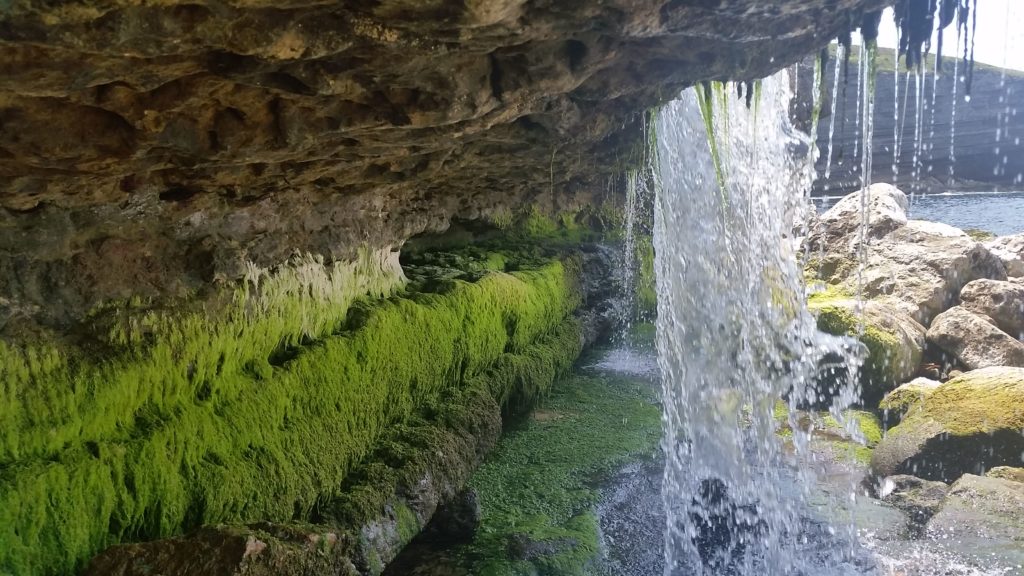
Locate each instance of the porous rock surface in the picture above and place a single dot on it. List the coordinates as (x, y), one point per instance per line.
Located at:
(1003, 302)
(975, 340)
(149, 148)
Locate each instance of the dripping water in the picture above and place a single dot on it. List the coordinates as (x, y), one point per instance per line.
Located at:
(840, 57)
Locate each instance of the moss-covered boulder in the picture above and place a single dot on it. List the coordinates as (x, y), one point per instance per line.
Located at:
(966, 425)
(894, 340)
(905, 396)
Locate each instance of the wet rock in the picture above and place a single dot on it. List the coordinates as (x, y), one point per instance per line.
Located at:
(920, 499)
(894, 340)
(257, 550)
(966, 425)
(1009, 249)
(906, 396)
(975, 340)
(981, 508)
(1003, 302)
(457, 520)
(1007, 473)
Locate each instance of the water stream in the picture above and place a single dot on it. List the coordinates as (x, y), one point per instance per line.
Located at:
(734, 338)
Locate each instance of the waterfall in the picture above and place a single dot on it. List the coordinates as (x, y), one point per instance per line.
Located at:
(734, 336)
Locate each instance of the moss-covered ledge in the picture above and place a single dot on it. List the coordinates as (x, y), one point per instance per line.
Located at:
(265, 412)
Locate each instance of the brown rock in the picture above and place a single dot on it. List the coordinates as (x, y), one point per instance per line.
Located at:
(205, 133)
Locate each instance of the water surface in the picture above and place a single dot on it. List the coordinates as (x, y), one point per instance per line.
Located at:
(1001, 213)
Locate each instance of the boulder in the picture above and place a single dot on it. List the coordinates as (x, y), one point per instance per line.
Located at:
(899, 401)
(920, 499)
(966, 425)
(1007, 473)
(975, 340)
(894, 340)
(839, 227)
(1009, 249)
(1003, 302)
(982, 509)
(922, 266)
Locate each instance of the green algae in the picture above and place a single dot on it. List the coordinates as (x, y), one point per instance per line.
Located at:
(252, 419)
(537, 487)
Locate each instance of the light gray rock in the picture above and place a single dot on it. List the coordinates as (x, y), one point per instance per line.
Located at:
(1007, 473)
(979, 507)
(1009, 249)
(975, 340)
(839, 227)
(922, 266)
(1003, 302)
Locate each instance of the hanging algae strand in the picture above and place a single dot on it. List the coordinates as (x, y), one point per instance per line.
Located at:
(707, 113)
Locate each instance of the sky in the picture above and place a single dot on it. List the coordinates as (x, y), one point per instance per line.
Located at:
(1000, 35)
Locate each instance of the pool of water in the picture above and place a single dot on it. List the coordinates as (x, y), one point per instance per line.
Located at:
(1000, 213)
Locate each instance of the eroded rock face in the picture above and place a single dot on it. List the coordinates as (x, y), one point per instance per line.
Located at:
(151, 148)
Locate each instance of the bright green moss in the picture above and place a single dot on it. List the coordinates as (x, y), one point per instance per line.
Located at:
(979, 235)
(867, 424)
(977, 402)
(537, 485)
(884, 354)
(258, 418)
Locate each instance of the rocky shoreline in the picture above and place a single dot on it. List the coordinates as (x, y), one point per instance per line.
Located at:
(943, 325)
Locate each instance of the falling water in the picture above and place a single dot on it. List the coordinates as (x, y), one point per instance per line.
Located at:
(896, 110)
(952, 121)
(840, 58)
(734, 337)
(860, 113)
(919, 82)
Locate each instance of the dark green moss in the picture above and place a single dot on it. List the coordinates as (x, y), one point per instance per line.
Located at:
(538, 485)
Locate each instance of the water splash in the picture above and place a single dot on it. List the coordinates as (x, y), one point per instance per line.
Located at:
(734, 337)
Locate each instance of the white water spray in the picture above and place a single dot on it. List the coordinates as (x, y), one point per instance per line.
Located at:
(734, 337)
